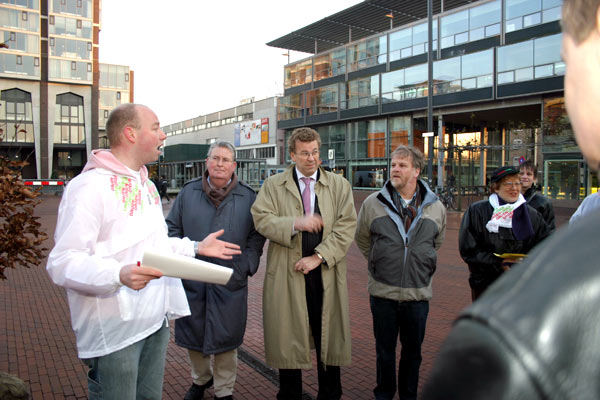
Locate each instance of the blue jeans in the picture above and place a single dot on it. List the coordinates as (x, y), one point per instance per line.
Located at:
(135, 372)
(390, 319)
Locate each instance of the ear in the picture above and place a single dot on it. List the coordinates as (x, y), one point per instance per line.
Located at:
(598, 20)
(130, 134)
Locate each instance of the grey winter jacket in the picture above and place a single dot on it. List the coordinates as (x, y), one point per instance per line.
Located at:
(401, 264)
(218, 320)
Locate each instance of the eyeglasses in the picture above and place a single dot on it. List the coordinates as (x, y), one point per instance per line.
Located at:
(306, 154)
(511, 184)
(218, 160)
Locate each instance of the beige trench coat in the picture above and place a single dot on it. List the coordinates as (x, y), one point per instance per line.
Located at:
(286, 328)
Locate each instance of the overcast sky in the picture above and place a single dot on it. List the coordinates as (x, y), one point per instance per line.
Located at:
(194, 57)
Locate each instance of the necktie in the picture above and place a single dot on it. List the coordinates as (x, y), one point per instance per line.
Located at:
(306, 195)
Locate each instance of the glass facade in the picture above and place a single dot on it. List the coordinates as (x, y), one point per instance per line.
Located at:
(367, 53)
(114, 89)
(411, 41)
(360, 92)
(331, 64)
(532, 59)
(290, 107)
(20, 32)
(507, 123)
(70, 40)
(471, 24)
(298, 74)
(522, 14)
(322, 100)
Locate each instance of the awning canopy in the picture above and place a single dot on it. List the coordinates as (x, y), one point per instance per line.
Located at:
(362, 20)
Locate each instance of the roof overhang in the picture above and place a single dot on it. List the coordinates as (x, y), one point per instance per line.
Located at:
(359, 21)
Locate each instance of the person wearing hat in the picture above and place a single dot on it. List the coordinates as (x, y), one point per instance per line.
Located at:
(494, 233)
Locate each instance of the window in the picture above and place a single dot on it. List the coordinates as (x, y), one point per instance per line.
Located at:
(522, 14)
(411, 41)
(361, 92)
(290, 107)
(472, 24)
(265, 152)
(298, 74)
(51, 20)
(126, 77)
(19, 60)
(105, 113)
(404, 84)
(367, 53)
(533, 59)
(24, 15)
(36, 61)
(16, 116)
(79, 24)
(69, 126)
(322, 100)
(471, 71)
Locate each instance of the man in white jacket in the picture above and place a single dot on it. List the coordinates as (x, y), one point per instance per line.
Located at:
(108, 216)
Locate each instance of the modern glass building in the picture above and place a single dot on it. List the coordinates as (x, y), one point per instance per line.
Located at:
(51, 109)
(497, 91)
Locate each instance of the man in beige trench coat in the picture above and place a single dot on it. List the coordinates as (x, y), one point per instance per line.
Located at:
(308, 216)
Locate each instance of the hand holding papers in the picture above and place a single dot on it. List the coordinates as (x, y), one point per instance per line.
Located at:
(187, 267)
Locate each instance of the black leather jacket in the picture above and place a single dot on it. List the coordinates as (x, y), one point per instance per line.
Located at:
(542, 204)
(535, 333)
(477, 245)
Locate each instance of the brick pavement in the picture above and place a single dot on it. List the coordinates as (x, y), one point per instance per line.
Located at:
(38, 345)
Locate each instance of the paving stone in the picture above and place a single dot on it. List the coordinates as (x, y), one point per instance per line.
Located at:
(38, 345)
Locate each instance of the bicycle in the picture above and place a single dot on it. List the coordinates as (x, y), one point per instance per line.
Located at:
(447, 198)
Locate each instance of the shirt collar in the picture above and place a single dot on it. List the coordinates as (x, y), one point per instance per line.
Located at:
(300, 175)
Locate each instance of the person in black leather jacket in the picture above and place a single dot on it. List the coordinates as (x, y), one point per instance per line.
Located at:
(534, 334)
(543, 205)
(488, 229)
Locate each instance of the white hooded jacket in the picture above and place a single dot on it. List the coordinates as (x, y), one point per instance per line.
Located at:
(107, 217)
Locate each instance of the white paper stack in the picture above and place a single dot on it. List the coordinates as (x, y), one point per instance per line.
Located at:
(183, 267)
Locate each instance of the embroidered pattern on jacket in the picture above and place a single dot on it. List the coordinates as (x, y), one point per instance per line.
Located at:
(153, 191)
(128, 192)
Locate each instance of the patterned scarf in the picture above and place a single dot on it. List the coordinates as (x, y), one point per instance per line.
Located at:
(218, 195)
(513, 216)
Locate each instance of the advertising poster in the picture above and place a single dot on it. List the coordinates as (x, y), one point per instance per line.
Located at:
(251, 132)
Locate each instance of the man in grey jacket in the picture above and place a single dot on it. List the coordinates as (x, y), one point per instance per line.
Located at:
(404, 212)
(216, 327)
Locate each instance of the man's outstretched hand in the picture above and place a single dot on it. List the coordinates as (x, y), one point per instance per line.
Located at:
(213, 247)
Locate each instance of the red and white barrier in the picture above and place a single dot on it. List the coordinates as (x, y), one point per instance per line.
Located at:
(43, 183)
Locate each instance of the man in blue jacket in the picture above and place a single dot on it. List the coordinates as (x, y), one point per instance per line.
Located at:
(399, 231)
(216, 327)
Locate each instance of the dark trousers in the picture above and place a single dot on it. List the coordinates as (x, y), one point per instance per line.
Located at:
(392, 319)
(290, 380)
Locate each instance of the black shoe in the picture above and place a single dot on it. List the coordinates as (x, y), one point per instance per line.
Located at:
(196, 392)
(230, 397)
